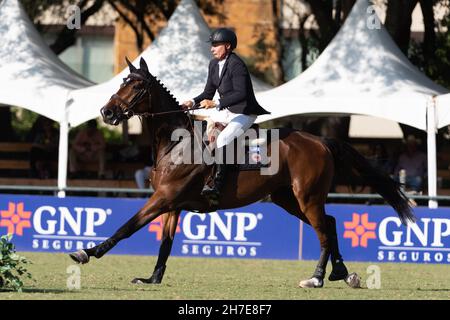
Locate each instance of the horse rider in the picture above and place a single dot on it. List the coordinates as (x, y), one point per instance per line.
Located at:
(236, 106)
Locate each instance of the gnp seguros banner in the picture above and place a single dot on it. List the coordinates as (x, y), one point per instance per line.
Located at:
(261, 230)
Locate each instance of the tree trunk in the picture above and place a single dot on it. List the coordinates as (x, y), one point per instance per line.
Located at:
(323, 13)
(398, 21)
(277, 66)
(347, 6)
(429, 40)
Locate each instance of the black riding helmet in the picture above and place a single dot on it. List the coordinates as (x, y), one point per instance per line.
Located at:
(224, 35)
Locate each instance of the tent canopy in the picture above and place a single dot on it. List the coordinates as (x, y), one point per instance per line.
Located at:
(362, 71)
(372, 127)
(443, 110)
(31, 75)
(179, 57)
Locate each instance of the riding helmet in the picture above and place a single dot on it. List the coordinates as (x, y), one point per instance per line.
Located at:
(224, 35)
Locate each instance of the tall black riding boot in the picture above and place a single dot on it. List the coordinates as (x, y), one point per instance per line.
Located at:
(219, 182)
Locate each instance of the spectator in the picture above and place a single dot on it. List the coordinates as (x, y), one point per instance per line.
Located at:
(379, 158)
(44, 150)
(142, 177)
(88, 147)
(414, 162)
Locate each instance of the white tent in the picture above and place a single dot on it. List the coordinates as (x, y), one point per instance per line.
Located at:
(362, 71)
(443, 110)
(32, 76)
(179, 57)
(372, 127)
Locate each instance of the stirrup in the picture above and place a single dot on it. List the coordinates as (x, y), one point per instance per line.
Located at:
(208, 191)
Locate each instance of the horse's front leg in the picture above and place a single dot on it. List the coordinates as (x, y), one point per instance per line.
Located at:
(155, 206)
(170, 222)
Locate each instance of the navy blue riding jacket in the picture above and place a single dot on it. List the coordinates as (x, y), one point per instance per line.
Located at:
(234, 86)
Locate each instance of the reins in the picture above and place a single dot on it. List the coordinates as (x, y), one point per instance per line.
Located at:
(150, 114)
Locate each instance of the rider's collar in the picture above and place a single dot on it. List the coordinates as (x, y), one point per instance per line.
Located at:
(224, 59)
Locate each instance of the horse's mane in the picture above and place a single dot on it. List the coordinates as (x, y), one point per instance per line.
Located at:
(169, 102)
(165, 94)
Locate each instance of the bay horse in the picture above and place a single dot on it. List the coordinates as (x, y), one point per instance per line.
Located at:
(307, 165)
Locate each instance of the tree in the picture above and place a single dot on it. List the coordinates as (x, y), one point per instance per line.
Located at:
(140, 15)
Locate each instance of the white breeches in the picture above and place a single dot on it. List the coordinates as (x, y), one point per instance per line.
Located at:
(237, 125)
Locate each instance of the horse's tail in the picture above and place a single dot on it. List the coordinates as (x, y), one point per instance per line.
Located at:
(348, 160)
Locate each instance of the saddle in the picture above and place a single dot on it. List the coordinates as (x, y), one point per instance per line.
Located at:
(251, 159)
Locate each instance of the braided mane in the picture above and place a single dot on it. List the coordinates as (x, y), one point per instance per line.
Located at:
(168, 99)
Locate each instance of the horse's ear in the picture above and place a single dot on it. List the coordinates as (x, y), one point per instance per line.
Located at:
(130, 65)
(143, 65)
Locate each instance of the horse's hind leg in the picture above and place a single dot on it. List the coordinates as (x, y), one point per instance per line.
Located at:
(286, 199)
(314, 216)
(339, 271)
(170, 221)
(315, 213)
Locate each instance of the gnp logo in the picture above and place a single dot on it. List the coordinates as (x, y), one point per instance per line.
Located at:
(215, 234)
(15, 218)
(428, 240)
(157, 226)
(55, 228)
(360, 230)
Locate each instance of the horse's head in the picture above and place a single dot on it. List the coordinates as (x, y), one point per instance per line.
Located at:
(132, 97)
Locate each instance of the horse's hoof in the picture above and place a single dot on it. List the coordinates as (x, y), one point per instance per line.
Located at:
(311, 283)
(353, 280)
(80, 257)
(338, 276)
(141, 281)
(138, 281)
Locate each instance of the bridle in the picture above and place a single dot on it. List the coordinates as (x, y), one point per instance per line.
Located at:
(127, 107)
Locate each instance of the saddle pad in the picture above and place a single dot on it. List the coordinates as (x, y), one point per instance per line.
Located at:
(252, 160)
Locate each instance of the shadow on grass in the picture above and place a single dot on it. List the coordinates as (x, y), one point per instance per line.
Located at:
(136, 289)
(443, 290)
(35, 290)
(39, 290)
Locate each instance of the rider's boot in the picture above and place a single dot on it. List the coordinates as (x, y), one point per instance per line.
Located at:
(218, 183)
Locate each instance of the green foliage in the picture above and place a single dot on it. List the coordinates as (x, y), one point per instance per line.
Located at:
(22, 121)
(111, 134)
(12, 267)
(438, 66)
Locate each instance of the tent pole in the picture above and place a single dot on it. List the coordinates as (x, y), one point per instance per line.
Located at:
(63, 157)
(431, 152)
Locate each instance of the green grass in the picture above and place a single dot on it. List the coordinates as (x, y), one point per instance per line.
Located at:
(198, 278)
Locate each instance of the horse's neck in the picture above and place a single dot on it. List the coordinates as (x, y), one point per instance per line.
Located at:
(161, 127)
